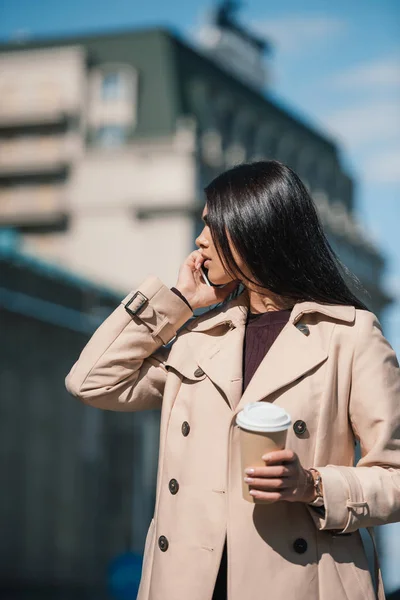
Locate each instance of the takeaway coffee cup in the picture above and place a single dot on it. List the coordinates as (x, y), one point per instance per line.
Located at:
(263, 428)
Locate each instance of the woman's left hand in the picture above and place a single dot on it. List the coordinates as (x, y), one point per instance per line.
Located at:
(282, 479)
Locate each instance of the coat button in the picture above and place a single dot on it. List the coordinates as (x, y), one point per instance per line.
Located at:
(185, 428)
(173, 486)
(163, 543)
(198, 372)
(299, 427)
(303, 328)
(300, 546)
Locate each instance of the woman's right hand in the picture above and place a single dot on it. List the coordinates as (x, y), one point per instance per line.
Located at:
(192, 285)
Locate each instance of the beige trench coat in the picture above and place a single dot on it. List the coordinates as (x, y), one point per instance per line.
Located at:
(339, 375)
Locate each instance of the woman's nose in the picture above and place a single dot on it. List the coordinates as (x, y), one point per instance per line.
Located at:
(201, 241)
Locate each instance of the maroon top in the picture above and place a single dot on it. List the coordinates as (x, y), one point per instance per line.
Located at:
(261, 332)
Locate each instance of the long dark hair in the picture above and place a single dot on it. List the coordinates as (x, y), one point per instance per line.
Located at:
(274, 226)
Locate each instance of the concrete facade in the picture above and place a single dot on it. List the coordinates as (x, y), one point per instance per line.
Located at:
(103, 172)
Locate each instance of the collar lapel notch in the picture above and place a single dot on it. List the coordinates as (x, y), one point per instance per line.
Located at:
(293, 354)
(222, 362)
(296, 350)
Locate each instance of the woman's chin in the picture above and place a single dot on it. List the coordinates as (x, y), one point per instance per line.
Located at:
(214, 279)
(218, 278)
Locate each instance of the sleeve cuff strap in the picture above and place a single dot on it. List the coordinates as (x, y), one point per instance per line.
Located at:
(164, 312)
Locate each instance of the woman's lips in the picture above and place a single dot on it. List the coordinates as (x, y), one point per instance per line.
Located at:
(207, 262)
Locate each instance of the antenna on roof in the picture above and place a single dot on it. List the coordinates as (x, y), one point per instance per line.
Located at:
(235, 46)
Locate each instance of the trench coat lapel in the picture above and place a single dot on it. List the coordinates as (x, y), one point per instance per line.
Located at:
(219, 348)
(291, 356)
(223, 365)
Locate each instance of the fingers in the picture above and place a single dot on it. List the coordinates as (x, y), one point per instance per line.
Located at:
(270, 478)
(195, 259)
(279, 480)
(280, 456)
(198, 261)
(270, 472)
(268, 484)
(270, 496)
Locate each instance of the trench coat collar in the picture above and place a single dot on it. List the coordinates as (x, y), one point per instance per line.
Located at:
(234, 313)
(292, 355)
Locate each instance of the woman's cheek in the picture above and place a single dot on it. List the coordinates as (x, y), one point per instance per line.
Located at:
(220, 277)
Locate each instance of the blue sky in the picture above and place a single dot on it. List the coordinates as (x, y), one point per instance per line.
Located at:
(336, 64)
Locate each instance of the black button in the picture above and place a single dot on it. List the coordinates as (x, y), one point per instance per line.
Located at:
(300, 546)
(163, 543)
(198, 372)
(299, 427)
(173, 486)
(185, 428)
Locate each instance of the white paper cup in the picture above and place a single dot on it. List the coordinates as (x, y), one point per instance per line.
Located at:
(263, 428)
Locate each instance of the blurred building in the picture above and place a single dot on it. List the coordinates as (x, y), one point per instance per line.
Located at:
(107, 141)
(67, 471)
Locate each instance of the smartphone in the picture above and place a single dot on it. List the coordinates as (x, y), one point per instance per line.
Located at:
(204, 273)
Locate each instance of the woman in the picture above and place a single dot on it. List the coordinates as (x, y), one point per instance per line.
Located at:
(296, 336)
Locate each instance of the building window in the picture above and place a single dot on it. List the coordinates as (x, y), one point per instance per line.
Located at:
(112, 104)
(113, 86)
(111, 136)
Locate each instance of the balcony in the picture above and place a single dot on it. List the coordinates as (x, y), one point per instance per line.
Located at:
(33, 157)
(33, 103)
(19, 110)
(41, 86)
(30, 208)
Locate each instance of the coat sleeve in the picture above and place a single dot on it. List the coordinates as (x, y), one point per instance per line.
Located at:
(121, 368)
(368, 494)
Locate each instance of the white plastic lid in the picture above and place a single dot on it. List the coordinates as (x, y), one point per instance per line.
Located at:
(264, 417)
